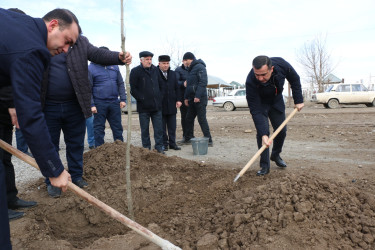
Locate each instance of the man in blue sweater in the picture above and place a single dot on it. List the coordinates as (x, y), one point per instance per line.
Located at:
(264, 88)
(26, 46)
(107, 86)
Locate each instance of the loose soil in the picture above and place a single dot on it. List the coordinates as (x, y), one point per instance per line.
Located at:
(325, 199)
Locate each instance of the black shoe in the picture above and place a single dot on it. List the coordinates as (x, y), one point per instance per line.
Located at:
(210, 143)
(165, 148)
(81, 183)
(12, 215)
(91, 147)
(263, 171)
(161, 151)
(54, 192)
(184, 142)
(175, 147)
(279, 162)
(21, 204)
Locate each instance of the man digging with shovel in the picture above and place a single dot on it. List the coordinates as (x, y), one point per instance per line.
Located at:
(264, 88)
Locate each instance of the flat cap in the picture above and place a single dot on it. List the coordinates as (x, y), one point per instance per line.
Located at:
(164, 58)
(145, 54)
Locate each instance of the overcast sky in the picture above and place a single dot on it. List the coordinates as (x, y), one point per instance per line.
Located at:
(227, 35)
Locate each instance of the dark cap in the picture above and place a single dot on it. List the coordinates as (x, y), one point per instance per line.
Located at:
(164, 58)
(145, 54)
(188, 55)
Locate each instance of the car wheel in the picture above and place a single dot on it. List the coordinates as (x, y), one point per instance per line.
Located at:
(371, 104)
(333, 104)
(228, 106)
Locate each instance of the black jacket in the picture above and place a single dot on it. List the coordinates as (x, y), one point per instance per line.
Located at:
(256, 92)
(171, 92)
(145, 88)
(76, 62)
(196, 80)
(181, 74)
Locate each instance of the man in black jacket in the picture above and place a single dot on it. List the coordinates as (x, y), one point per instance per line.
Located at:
(66, 98)
(171, 101)
(145, 88)
(264, 88)
(196, 97)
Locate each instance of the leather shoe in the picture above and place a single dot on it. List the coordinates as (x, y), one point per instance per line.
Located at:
(210, 143)
(81, 183)
(12, 215)
(21, 204)
(161, 151)
(165, 148)
(263, 171)
(53, 191)
(279, 162)
(175, 147)
(184, 142)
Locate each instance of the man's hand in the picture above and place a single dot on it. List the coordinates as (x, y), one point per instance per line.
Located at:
(266, 141)
(186, 102)
(185, 84)
(122, 104)
(178, 104)
(299, 106)
(93, 110)
(61, 181)
(127, 59)
(13, 116)
(197, 99)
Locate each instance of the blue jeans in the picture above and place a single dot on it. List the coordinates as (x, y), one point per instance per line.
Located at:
(21, 143)
(69, 118)
(197, 109)
(90, 131)
(276, 117)
(4, 220)
(110, 111)
(144, 121)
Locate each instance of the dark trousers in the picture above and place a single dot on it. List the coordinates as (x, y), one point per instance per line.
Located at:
(169, 130)
(110, 111)
(90, 131)
(144, 121)
(69, 118)
(277, 118)
(4, 220)
(6, 132)
(183, 111)
(21, 143)
(197, 109)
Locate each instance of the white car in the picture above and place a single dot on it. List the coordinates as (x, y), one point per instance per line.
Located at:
(235, 99)
(346, 93)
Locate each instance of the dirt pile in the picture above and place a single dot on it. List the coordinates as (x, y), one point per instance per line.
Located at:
(197, 206)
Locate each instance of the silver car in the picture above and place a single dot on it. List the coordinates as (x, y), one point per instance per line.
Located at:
(235, 99)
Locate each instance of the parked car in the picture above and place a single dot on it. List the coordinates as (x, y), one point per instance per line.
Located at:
(346, 93)
(134, 106)
(235, 99)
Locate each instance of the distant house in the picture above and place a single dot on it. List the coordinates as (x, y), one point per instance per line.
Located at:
(332, 79)
(217, 87)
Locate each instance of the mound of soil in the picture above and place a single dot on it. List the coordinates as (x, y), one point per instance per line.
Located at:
(197, 206)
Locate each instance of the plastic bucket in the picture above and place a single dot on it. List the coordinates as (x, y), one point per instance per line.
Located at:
(200, 145)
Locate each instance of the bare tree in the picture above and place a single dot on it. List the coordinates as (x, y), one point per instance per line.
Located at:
(315, 59)
(176, 49)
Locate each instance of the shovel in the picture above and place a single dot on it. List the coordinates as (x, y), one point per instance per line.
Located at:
(164, 244)
(260, 151)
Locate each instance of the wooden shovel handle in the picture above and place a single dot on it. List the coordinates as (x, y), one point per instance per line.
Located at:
(260, 151)
(164, 244)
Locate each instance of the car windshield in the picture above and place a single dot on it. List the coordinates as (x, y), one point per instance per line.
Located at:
(232, 93)
(329, 88)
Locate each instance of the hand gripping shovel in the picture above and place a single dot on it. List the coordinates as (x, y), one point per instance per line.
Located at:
(260, 151)
(164, 244)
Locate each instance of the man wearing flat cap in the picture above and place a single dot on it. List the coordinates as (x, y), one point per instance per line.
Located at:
(145, 88)
(171, 101)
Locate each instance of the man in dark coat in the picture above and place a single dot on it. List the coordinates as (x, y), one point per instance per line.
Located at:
(264, 88)
(171, 101)
(196, 97)
(66, 98)
(181, 74)
(145, 88)
(26, 46)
